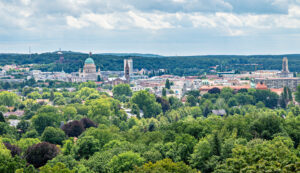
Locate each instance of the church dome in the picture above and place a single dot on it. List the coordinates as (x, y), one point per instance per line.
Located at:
(89, 61)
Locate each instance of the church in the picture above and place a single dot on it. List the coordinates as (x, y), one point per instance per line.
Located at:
(89, 71)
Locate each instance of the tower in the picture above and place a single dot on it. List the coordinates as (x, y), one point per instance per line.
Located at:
(285, 65)
(130, 65)
(127, 72)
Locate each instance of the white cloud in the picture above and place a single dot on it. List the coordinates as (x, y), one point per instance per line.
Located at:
(149, 21)
(106, 21)
(227, 17)
(76, 23)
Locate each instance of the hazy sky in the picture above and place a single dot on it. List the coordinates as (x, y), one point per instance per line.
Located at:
(167, 27)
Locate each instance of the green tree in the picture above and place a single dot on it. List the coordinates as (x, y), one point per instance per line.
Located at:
(57, 168)
(191, 100)
(147, 103)
(206, 107)
(122, 89)
(175, 102)
(46, 95)
(99, 161)
(24, 143)
(164, 92)
(85, 92)
(2, 117)
(53, 135)
(135, 109)
(52, 97)
(202, 152)
(85, 147)
(244, 99)
(31, 134)
(88, 84)
(34, 95)
(98, 78)
(270, 99)
(297, 94)
(262, 156)
(226, 93)
(166, 166)
(167, 84)
(125, 162)
(69, 112)
(232, 102)
(292, 127)
(266, 125)
(43, 120)
(5, 129)
(59, 101)
(8, 98)
(23, 126)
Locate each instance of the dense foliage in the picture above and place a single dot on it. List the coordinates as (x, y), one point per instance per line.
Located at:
(161, 134)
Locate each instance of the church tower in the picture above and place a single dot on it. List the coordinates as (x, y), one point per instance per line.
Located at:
(127, 72)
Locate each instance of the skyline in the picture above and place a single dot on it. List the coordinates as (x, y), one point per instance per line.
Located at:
(170, 28)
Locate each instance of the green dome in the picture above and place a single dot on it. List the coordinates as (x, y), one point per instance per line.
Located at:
(89, 61)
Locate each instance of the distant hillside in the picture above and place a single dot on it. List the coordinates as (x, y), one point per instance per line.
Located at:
(179, 65)
(132, 54)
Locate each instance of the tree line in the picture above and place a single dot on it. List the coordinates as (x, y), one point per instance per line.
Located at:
(179, 65)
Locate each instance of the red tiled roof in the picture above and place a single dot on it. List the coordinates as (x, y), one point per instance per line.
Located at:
(261, 86)
(277, 90)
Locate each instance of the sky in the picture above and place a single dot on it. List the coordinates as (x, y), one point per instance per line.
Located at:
(165, 27)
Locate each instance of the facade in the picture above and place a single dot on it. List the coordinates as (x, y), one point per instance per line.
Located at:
(116, 81)
(89, 72)
(291, 83)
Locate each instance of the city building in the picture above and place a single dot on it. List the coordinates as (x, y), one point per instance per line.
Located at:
(127, 72)
(285, 69)
(261, 86)
(89, 72)
(291, 83)
(121, 80)
(128, 62)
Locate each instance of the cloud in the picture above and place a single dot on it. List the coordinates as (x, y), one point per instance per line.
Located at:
(76, 23)
(61, 19)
